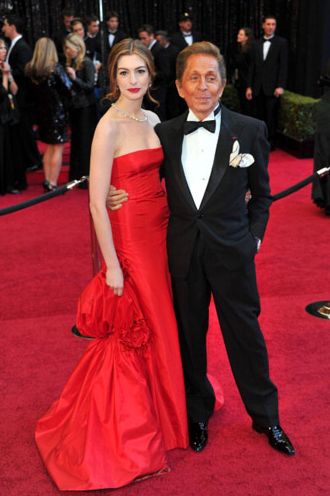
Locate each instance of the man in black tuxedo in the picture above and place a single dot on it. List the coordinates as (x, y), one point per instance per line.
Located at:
(162, 64)
(19, 54)
(186, 34)
(267, 75)
(113, 34)
(212, 157)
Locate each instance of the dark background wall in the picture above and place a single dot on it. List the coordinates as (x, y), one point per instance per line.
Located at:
(305, 23)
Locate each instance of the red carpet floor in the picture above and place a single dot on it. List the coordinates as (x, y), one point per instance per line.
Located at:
(45, 262)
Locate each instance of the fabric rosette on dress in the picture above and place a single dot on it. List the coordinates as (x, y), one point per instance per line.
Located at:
(101, 314)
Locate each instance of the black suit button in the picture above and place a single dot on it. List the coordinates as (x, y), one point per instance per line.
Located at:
(200, 216)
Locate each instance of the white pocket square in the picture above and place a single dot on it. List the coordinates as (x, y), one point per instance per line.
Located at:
(237, 159)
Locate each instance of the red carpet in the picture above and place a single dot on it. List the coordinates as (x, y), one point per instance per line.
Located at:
(45, 262)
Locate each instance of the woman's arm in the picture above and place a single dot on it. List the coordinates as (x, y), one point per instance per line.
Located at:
(99, 180)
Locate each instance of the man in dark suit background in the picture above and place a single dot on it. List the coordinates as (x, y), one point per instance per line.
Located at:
(19, 54)
(67, 17)
(186, 34)
(212, 156)
(174, 104)
(268, 74)
(162, 64)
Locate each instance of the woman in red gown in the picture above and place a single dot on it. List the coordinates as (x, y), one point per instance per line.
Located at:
(124, 405)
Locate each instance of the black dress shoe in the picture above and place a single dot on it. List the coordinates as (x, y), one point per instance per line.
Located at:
(277, 438)
(198, 435)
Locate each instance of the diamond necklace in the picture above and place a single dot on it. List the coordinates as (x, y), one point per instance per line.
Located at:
(130, 116)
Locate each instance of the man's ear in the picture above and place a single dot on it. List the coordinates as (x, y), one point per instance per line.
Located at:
(179, 88)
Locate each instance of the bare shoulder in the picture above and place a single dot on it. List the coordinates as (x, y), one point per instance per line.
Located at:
(108, 128)
(153, 118)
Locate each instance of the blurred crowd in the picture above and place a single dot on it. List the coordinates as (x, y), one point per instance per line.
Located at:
(60, 87)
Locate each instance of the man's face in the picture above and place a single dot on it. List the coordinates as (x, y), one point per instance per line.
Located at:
(146, 38)
(113, 23)
(79, 30)
(161, 40)
(185, 25)
(269, 27)
(201, 84)
(93, 27)
(8, 29)
(67, 22)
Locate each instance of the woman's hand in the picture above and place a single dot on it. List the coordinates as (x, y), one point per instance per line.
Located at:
(5, 68)
(115, 279)
(71, 73)
(116, 197)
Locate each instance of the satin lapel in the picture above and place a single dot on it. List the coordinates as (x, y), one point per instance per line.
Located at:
(176, 153)
(222, 153)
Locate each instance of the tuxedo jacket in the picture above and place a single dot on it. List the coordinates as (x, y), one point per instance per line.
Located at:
(270, 73)
(20, 55)
(119, 36)
(227, 224)
(179, 40)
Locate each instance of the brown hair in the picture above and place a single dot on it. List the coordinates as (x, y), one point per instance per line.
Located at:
(203, 48)
(128, 47)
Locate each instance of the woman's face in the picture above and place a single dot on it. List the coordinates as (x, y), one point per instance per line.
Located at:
(241, 37)
(79, 29)
(3, 52)
(133, 77)
(71, 52)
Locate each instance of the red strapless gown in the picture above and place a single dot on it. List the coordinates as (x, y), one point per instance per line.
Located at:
(124, 404)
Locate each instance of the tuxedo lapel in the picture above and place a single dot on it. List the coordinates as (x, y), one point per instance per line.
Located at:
(222, 155)
(176, 154)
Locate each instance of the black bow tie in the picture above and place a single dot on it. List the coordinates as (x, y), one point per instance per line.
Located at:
(191, 126)
(186, 34)
(267, 39)
(112, 32)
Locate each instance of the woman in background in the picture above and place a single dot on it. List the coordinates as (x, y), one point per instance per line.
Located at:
(50, 87)
(239, 63)
(11, 163)
(81, 71)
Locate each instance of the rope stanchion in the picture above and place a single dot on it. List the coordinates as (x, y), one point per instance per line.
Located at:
(61, 190)
(301, 184)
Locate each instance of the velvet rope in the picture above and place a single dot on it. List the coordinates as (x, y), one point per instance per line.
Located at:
(301, 184)
(61, 190)
(67, 187)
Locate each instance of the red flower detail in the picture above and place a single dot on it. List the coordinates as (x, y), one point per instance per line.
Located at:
(136, 336)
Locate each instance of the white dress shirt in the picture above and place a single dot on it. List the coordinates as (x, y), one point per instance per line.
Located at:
(198, 151)
(266, 46)
(111, 38)
(12, 44)
(188, 37)
(152, 44)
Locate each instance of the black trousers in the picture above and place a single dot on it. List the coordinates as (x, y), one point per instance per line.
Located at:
(83, 123)
(29, 149)
(237, 303)
(266, 108)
